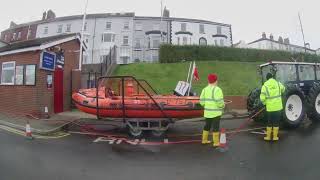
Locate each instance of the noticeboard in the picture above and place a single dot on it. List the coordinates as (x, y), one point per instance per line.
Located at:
(60, 59)
(47, 61)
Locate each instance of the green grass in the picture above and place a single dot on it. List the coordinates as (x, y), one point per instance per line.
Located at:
(235, 78)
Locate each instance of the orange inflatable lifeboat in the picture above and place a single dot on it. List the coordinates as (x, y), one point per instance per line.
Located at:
(134, 101)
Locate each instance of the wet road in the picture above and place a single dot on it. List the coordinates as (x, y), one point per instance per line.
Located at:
(296, 156)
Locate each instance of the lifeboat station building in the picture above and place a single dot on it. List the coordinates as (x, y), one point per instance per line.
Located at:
(36, 75)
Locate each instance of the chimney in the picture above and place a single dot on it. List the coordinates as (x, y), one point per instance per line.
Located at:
(280, 40)
(166, 12)
(286, 41)
(44, 15)
(12, 24)
(51, 14)
(271, 37)
(264, 36)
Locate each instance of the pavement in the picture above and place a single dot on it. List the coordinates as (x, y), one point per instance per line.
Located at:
(248, 157)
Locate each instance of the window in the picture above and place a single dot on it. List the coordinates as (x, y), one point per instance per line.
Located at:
(5, 37)
(59, 30)
(29, 33)
(125, 40)
(218, 29)
(215, 42)
(45, 30)
(125, 59)
(138, 26)
(201, 29)
(85, 26)
(19, 75)
(156, 26)
(30, 75)
(108, 25)
(184, 40)
(68, 28)
(178, 40)
(221, 42)
(137, 44)
(306, 72)
(19, 35)
(286, 73)
(108, 37)
(14, 36)
(8, 73)
(126, 25)
(183, 27)
(202, 41)
(156, 43)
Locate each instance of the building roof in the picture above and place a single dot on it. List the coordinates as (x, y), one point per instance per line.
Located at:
(179, 19)
(66, 18)
(3, 42)
(37, 44)
(266, 39)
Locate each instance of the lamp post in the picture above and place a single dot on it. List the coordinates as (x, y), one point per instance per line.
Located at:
(82, 31)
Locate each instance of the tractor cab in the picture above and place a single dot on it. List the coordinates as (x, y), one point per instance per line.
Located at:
(301, 74)
(302, 95)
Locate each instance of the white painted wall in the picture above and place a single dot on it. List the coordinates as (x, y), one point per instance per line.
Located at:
(209, 30)
(271, 45)
(95, 28)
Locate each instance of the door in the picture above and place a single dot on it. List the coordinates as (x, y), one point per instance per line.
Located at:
(58, 90)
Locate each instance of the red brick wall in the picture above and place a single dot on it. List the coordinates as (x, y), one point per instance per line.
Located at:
(24, 33)
(32, 99)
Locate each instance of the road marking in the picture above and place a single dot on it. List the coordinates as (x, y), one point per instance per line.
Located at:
(22, 133)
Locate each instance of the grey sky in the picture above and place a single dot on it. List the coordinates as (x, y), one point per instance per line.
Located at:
(249, 18)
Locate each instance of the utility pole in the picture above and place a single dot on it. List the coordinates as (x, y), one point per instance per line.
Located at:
(161, 23)
(304, 42)
(82, 32)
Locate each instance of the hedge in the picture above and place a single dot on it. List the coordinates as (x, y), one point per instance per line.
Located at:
(175, 53)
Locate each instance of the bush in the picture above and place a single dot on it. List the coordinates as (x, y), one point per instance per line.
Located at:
(175, 53)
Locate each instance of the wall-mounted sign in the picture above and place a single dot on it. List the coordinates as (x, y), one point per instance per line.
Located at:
(47, 61)
(60, 59)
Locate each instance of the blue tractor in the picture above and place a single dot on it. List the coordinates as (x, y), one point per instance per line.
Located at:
(302, 96)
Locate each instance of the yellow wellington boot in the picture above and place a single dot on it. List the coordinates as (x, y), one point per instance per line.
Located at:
(275, 133)
(215, 136)
(205, 135)
(268, 136)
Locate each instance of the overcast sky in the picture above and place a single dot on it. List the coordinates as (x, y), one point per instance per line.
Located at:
(249, 18)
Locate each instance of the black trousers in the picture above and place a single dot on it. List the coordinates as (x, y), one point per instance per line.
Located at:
(213, 123)
(274, 118)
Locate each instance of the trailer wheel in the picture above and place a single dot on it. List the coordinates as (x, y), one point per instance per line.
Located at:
(158, 133)
(134, 131)
(254, 105)
(313, 103)
(294, 111)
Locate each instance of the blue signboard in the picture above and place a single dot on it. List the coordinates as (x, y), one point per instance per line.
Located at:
(60, 59)
(47, 61)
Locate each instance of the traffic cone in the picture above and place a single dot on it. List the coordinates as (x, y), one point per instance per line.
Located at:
(223, 139)
(28, 131)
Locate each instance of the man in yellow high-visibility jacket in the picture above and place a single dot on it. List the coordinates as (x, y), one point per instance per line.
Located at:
(271, 97)
(211, 99)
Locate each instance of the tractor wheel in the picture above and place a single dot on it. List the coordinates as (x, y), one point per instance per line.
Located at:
(254, 105)
(313, 103)
(294, 110)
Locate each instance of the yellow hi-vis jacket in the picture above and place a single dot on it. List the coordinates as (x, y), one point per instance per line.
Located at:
(211, 99)
(270, 96)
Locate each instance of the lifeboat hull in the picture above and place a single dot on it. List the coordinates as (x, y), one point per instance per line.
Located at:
(140, 106)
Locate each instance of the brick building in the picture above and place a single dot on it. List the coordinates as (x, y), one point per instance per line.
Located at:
(36, 74)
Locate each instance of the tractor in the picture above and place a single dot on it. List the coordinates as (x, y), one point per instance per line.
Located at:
(302, 96)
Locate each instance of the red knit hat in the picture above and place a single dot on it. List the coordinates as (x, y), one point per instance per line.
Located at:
(212, 78)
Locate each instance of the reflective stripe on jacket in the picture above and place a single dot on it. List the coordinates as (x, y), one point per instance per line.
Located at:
(211, 99)
(270, 96)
